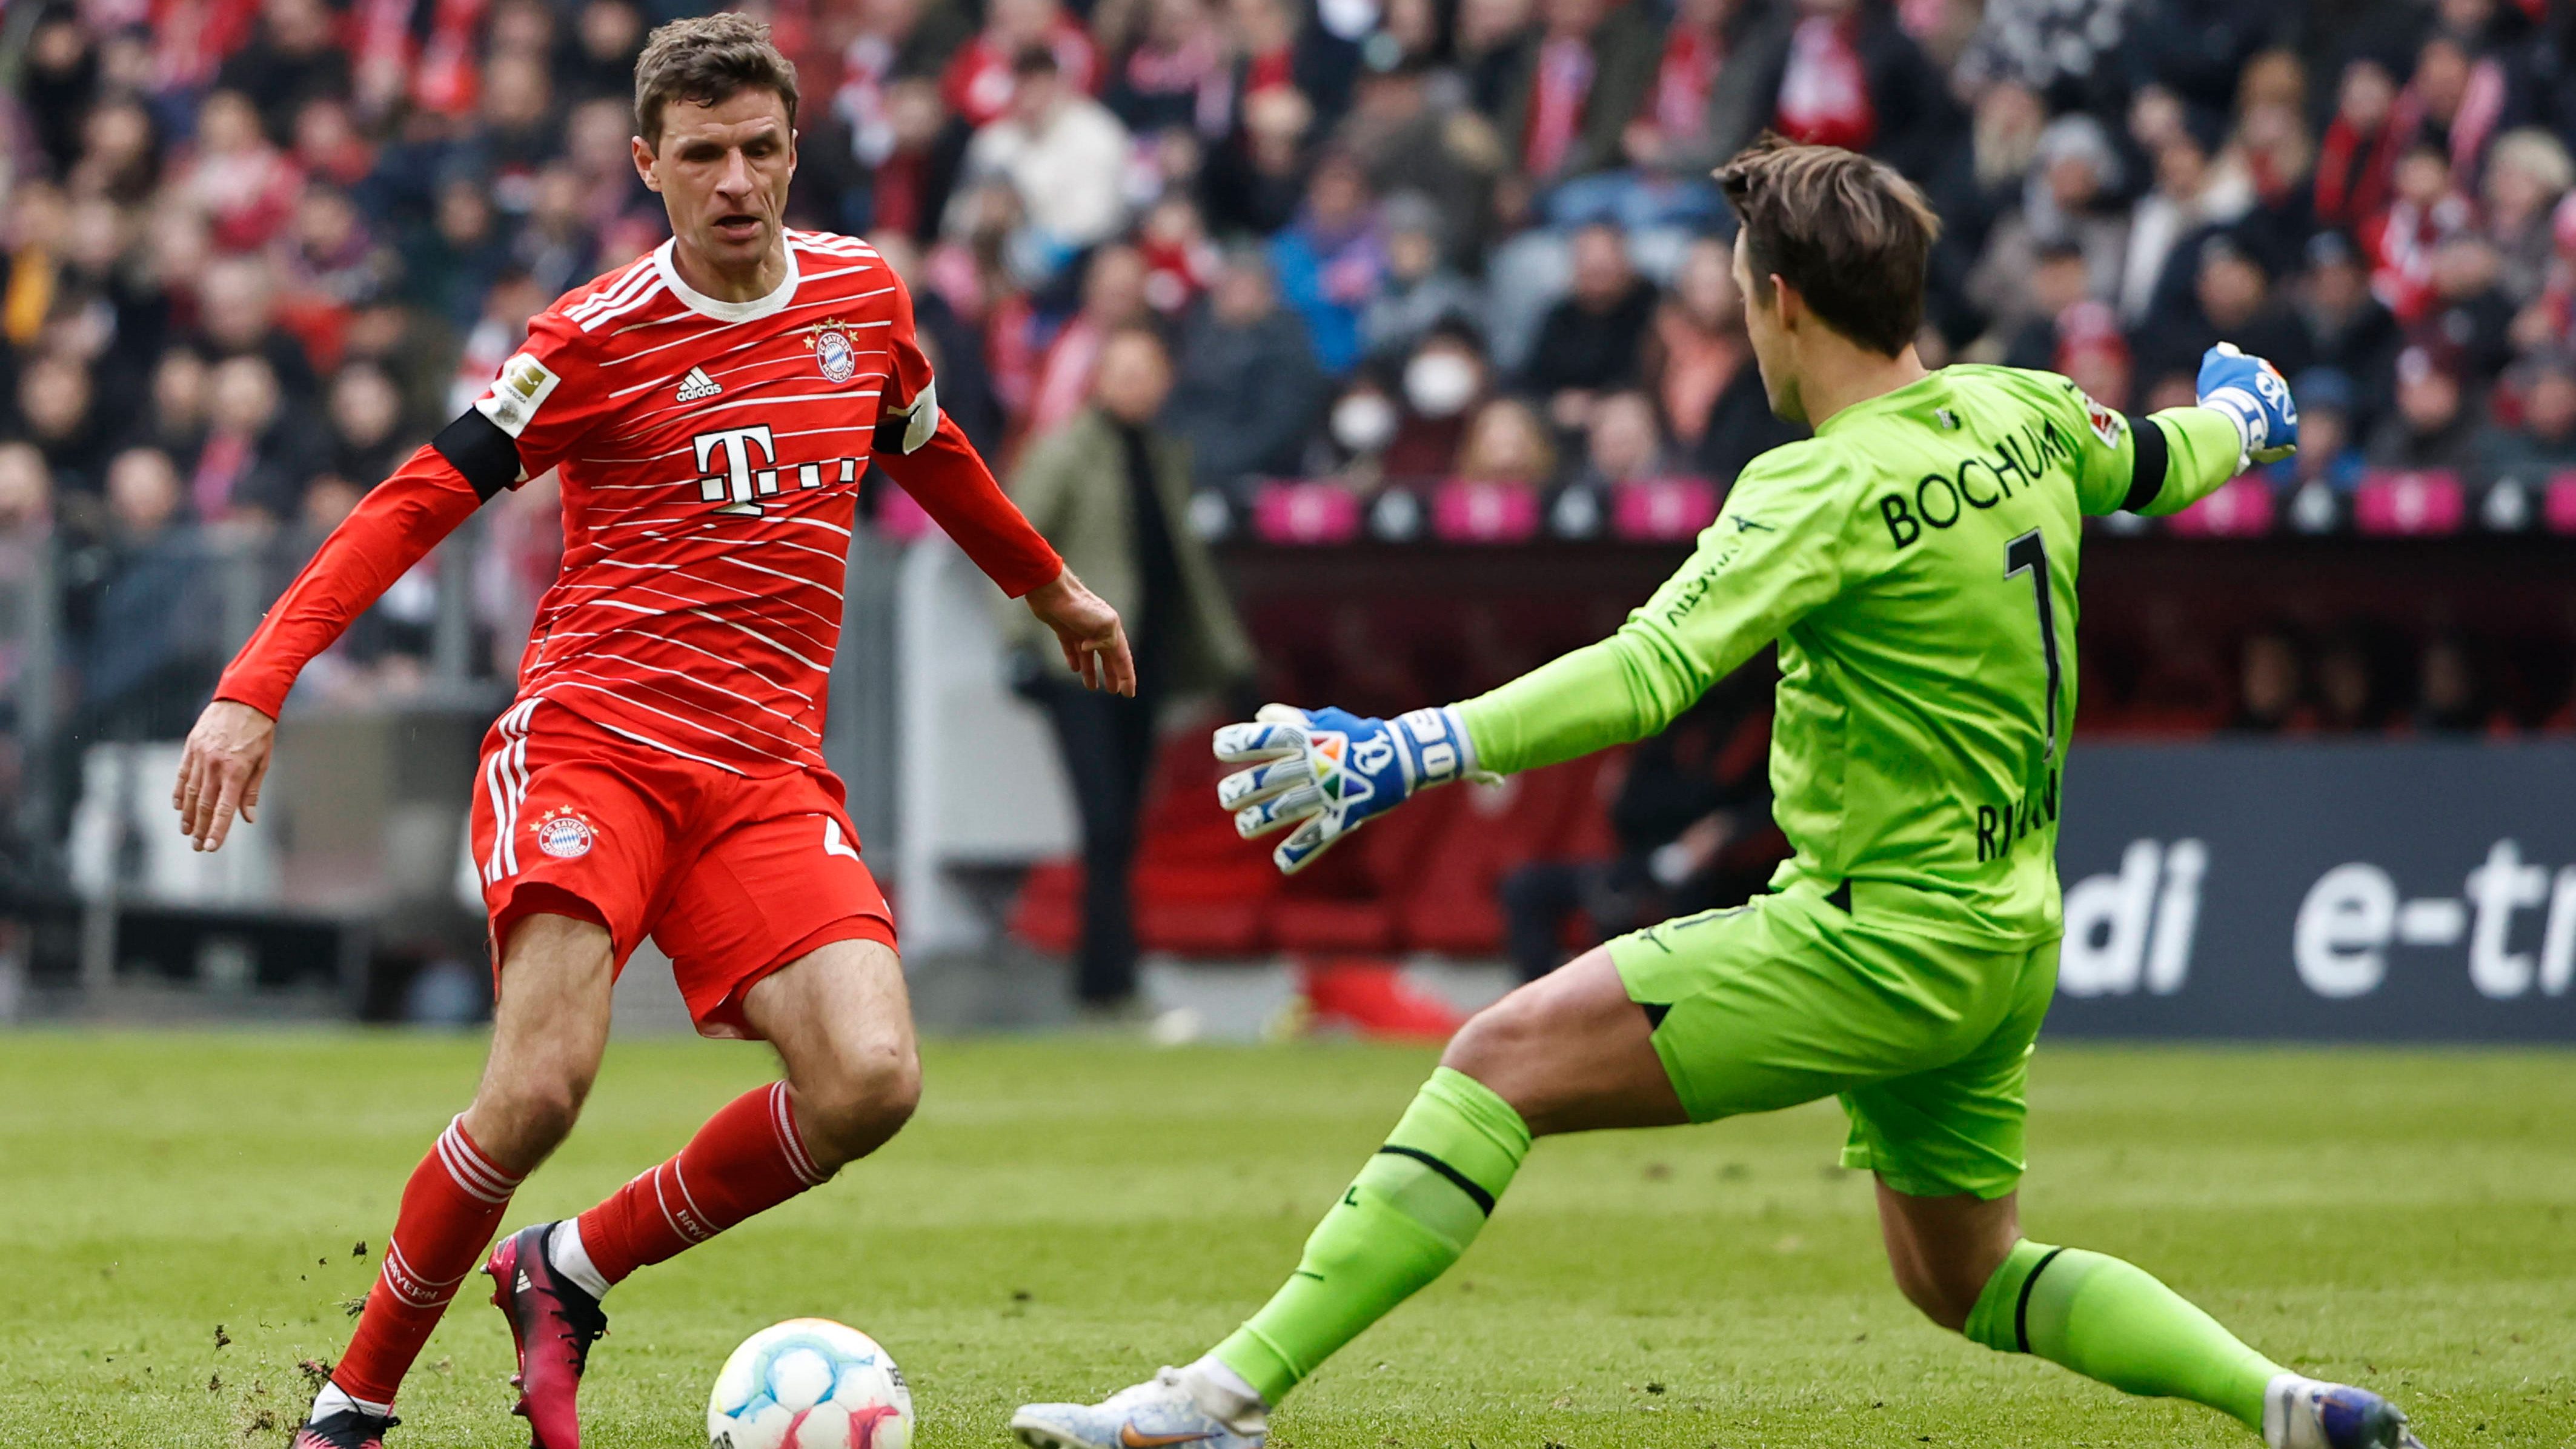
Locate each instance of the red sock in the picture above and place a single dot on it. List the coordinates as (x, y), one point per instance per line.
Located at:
(747, 1159)
(450, 1210)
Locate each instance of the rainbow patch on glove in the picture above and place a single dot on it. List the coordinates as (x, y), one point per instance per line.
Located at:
(1329, 753)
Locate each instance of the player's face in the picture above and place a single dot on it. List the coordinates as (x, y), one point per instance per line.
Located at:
(1771, 351)
(723, 172)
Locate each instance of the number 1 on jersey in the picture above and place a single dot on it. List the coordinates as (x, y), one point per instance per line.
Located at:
(2030, 552)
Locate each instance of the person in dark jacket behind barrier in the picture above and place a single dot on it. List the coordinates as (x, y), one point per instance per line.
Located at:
(1111, 492)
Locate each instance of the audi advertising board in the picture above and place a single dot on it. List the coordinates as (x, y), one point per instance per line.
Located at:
(2326, 892)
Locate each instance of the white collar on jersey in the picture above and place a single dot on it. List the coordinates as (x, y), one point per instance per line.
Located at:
(706, 306)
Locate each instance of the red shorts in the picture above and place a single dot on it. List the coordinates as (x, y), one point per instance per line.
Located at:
(733, 877)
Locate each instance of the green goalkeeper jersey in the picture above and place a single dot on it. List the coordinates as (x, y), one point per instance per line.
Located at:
(1916, 562)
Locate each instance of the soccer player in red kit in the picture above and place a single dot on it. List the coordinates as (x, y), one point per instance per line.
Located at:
(709, 410)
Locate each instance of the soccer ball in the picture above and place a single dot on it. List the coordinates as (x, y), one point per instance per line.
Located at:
(810, 1383)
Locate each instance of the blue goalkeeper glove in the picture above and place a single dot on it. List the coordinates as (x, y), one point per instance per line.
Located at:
(1331, 770)
(2251, 393)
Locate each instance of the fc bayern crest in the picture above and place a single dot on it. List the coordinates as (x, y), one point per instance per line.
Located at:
(833, 353)
(563, 834)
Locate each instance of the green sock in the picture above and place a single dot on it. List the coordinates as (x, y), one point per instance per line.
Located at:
(2112, 1321)
(1414, 1208)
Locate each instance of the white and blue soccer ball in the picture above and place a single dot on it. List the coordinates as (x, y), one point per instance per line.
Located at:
(810, 1383)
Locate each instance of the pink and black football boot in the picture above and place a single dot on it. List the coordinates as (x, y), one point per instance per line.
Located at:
(347, 1429)
(554, 1321)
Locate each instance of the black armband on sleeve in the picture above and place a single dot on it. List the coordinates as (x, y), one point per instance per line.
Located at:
(2153, 456)
(487, 456)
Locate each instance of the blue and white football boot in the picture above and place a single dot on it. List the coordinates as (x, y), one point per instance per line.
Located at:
(1160, 1413)
(2305, 1413)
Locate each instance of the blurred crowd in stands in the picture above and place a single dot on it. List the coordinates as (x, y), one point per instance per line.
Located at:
(258, 249)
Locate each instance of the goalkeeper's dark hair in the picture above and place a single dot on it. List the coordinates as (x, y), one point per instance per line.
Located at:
(1848, 232)
(705, 61)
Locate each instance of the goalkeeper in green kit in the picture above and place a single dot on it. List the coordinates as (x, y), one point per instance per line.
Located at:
(1916, 562)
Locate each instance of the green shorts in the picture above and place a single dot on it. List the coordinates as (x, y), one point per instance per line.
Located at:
(1786, 1000)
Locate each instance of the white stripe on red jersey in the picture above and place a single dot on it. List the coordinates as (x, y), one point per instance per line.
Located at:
(692, 612)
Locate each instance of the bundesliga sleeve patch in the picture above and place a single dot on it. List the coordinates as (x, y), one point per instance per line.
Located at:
(521, 389)
(2106, 421)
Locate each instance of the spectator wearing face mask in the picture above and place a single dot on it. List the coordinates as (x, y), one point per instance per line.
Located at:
(1362, 423)
(1443, 381)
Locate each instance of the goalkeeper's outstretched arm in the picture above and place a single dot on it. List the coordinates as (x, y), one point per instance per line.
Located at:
(1770, 558)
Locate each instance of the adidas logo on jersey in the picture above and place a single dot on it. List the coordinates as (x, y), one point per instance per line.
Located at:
(697, 385)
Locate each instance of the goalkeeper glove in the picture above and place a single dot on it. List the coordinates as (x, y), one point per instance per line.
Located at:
(2250, 392)
(1332, 769)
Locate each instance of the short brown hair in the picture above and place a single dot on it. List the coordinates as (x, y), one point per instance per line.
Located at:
(1849, 233)
(706, 61)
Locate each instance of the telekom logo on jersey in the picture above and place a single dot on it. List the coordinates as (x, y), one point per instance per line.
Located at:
(739, 466)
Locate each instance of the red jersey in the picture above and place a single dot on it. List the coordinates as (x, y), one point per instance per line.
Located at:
(709, 454)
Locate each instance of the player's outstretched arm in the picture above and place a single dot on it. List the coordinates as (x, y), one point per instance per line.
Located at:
(1094, 642)
(2245, 415)
(390, 530)
(1772, 556)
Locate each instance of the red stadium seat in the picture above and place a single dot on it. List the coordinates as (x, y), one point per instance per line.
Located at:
(1447, 902)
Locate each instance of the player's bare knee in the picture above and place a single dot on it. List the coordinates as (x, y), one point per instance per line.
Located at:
(1501, 1043)
(1488, 1042)
(859, 1102)
(521, 1120)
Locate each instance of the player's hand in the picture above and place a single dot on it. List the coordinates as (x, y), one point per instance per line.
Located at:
(2251, 393)
(1094, 642)
(221, 770)
(1332, 769)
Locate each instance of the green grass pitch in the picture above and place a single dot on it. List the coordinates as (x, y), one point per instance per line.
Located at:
(1064, 1215)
